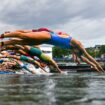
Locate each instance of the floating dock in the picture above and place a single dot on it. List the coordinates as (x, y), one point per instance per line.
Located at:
(78, 68)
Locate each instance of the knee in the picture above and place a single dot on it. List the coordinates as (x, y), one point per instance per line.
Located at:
(27, 47)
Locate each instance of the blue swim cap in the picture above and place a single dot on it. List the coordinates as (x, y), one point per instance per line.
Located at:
(1, 61)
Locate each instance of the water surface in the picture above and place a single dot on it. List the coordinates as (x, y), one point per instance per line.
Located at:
(55, 89)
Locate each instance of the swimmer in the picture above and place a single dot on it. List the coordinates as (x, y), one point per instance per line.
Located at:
(45, 37)
(33, 51)
(27, 59)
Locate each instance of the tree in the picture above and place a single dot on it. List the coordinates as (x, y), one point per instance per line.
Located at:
(59, 52)
(91, 51)
(102, 50)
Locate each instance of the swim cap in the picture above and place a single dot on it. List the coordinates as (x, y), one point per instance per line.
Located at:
(41, 29)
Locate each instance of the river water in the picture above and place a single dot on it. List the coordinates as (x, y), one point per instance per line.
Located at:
(54, 89)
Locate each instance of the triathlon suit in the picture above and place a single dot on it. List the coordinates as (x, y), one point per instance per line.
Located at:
(24, 58)
(56, 40)
(37, 52)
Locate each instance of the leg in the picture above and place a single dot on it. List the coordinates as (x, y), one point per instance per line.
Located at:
(13, 42)
(90, 63)
(27, 48)
(23, 49)
(11, 34)
(31, 35)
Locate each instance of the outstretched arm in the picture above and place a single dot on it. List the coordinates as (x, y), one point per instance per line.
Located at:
(55, 65)
(19, 47)
(89, 57)
(9, 47)
(38, 64)
(50, 61)
(13, 42)
(90, 63)
(75, 58)
(93, 60)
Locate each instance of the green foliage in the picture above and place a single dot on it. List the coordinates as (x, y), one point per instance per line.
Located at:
(59, 52)
(102, 50)
(91, 51)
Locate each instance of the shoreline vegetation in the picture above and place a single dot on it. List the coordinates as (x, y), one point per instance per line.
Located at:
(98, 51)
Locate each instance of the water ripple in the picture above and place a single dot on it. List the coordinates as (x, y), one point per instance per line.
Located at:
(55, 89)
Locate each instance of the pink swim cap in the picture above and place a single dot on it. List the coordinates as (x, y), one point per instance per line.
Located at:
(41, 29)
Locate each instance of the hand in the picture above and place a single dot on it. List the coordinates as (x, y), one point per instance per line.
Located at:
(63, 72)
(100, 68)
(95, 67)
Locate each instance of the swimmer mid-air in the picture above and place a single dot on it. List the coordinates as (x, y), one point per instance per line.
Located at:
(49, 37)
(31, 52)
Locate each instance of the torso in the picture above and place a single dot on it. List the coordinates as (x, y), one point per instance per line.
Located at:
(62, 41)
